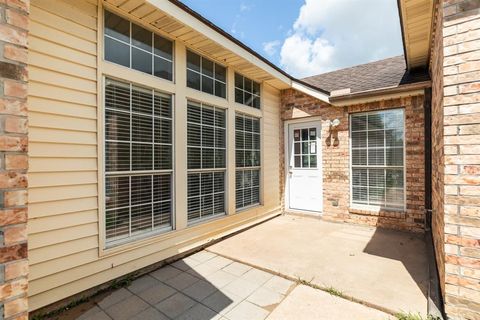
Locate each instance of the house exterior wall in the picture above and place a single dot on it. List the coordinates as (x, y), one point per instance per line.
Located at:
(336, 159)
(457, 155)
(67, 248)
(13, 159)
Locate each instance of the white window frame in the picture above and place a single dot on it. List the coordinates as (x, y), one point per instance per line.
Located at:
(207, 76)
(131, 45)
(251, 168)
(147, 234)
(259, 96)
(367, 206)
(224, 170)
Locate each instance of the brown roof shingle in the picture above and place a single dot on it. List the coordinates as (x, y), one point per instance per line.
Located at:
(391, 72)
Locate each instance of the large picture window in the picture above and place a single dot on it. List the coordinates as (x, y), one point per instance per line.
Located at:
(247, 159)
(132, 46)
(247, 91)
(205, 75)
(206, 140)
(377, 158)
(138, 160)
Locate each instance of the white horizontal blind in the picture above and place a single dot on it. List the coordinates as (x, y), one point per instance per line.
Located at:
(206, 142)
(247, 159)
(377, 158)
(138, 160)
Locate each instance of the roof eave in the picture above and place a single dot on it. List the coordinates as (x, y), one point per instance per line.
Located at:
(380, 94)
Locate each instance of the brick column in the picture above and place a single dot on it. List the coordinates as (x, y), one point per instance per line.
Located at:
(461, 137)
(13, 159)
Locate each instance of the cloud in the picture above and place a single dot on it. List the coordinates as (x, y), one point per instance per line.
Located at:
(333, 34)
(245, 7)
(271, 47)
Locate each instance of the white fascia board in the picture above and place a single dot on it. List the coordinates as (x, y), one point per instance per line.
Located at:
(185, 18)
(310, 91)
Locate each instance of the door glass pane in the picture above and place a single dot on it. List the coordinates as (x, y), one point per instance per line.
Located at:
(313, 133)
(304, 134)
(296, 135)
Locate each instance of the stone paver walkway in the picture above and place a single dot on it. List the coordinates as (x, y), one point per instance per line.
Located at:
(205, 286)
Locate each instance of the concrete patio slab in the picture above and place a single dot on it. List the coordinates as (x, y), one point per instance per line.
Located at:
(309, 303)
(385, 268)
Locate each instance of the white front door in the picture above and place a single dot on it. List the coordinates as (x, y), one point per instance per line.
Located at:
(304, 175)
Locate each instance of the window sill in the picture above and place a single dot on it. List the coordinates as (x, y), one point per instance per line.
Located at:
(247, 208)
(377, 212)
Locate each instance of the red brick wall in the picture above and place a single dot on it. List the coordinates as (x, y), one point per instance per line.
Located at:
(13, 159)
(459, 116)
(438, 191)
(335, 153)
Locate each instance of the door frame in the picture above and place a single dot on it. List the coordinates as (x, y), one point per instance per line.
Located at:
(286, 140)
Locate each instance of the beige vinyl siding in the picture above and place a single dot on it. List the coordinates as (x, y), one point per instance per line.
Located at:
(64, 226)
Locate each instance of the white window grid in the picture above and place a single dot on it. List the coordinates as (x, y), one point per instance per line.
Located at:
(245, 91)
(152, 53)
(368, 203)
(245, 168)
(201, 74)
(130, 173)
(207, 170)
(203, 194)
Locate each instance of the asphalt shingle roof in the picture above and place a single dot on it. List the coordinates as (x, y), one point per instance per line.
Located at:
(391, 72)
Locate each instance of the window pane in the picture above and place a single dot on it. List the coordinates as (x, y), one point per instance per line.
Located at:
(207, 67)
(220, 89)
(163, 47)
(163, 68)
(117, 52)
(238, 96)
(256, 88)
(220, 73)
(207, 85)
(141, 61)
(378, 138)
(238, 81)
(117, 27)
(136, 204)
(193, 80)
(141, 38)
(206, 195)
(193, 61)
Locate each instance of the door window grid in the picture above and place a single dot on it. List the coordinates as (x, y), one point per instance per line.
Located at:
(377, 157)
(200, 78)
(247, 145)
(157, 60)
(138, 198)
(305, 148)
(206, 142)
(247, 91)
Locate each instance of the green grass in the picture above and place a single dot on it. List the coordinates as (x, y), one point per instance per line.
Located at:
(414, 316)
(334, 292)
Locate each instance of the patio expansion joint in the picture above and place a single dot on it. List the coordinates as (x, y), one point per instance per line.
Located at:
(299, 281)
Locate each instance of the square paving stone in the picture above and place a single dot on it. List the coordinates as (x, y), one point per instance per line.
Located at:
(199, 312)
(219, 262)
(220, 278)
(157, 293)
(200, 290)
(127, 308)
(150, 314)
(185, 264)
(89, 313)
(222, 302)
(257, 276)
(115, 297)
(165, 273)
(182, 281)
(142, 283)
(97, 316)
(203, 256)
(264, 297)
(246, 310)
(279, 284)
(203, 270)
(241, 287)
(175, 305)
(237, 268)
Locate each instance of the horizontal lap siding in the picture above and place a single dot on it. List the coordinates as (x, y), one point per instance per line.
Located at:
(63, 222)
(63, 209)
